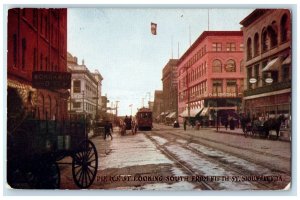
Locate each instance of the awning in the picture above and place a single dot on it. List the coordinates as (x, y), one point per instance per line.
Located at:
(184, 113)
(273, 65)
(194, 112)
(171, 115)
(287, 61)
(204, 112)
(162, 113)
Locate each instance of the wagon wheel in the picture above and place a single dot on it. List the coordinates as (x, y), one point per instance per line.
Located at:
(85, 164)
(44, 175)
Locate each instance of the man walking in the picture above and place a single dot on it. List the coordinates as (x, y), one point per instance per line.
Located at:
(107, 128)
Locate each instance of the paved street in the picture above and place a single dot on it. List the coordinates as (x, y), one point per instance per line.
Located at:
(173, 159)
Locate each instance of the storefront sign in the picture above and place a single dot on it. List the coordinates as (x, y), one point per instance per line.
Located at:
(51, 80)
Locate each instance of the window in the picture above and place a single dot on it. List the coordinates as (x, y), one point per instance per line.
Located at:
(46, 62)
(241, 47)
(217, 86)
(230, 47)
(256, 45)
(15, 49)
(76, 86)
(284, 28)
(286, 72)
(230, 66)
(231, 86)
(216, 47)
(23, 52)
(256, 74)
(249, 49)
(249, 75)
(76, 104)
(265, 40)
(217, 66)
(273, 32)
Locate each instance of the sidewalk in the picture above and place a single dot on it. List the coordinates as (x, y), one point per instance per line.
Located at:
(283, 135)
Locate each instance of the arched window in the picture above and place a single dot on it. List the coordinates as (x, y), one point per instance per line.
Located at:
(284, 28)
(264, 40)
(249, 49)
(217, 66)
(230, 66)
(256, 44)
(273, 33)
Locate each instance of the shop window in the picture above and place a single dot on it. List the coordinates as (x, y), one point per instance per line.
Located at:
(217, 86)
(231, 86)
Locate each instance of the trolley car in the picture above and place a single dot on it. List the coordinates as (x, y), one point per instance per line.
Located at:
(35, 147)
(144, 119)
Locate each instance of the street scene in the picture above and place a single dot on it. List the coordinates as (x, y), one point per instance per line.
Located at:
(164, 100)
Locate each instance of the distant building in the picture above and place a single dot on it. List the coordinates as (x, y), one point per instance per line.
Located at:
(85, 89)
(37, 41)
(267, 35)
(157, 105)
(211, 76)
(170, 91)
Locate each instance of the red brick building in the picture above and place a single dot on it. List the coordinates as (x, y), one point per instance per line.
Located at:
(211, 75)
(267, 35)
(37, 41)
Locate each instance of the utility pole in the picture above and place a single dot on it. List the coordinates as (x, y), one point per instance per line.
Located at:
(117, 102)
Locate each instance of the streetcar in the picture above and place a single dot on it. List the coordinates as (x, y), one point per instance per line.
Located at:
(144, 119)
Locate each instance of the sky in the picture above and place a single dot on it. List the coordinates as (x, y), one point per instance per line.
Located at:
(119, 44)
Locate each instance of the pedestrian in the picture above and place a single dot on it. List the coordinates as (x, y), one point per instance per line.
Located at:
(184, 124)
(107, 128)
(226, 123)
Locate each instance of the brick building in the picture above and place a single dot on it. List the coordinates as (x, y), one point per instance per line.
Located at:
(37, 41)
(169, 81)
(267, 35)
(211, 75)
(157, 105)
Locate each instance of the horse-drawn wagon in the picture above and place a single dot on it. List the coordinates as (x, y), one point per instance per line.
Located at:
(35, 147)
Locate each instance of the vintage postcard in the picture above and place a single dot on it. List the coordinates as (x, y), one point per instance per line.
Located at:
(163, 99)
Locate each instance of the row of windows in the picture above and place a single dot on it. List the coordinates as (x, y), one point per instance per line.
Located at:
(217, 87)
(269, 37)
(230, 46)
(201, 52)
(88, 88)
(229, 66)
(88, 107)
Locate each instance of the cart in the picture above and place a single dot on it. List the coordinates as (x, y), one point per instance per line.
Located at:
(35, 148)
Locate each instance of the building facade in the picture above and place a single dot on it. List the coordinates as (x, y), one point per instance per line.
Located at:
(84, 89)
(169, 81)
(267, 35)
(157, 105)
(37, 41)
(211, 75)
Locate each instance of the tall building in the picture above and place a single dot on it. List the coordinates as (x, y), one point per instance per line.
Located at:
(267, 35)
(211, 76)
(85, 89)
(157, 105)
(169, 81)
(37, 41)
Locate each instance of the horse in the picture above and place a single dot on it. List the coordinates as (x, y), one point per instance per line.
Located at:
(273, 124)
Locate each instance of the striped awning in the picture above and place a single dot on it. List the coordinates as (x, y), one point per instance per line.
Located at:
(273, 65)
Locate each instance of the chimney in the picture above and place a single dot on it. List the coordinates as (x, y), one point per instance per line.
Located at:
(82, 61)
